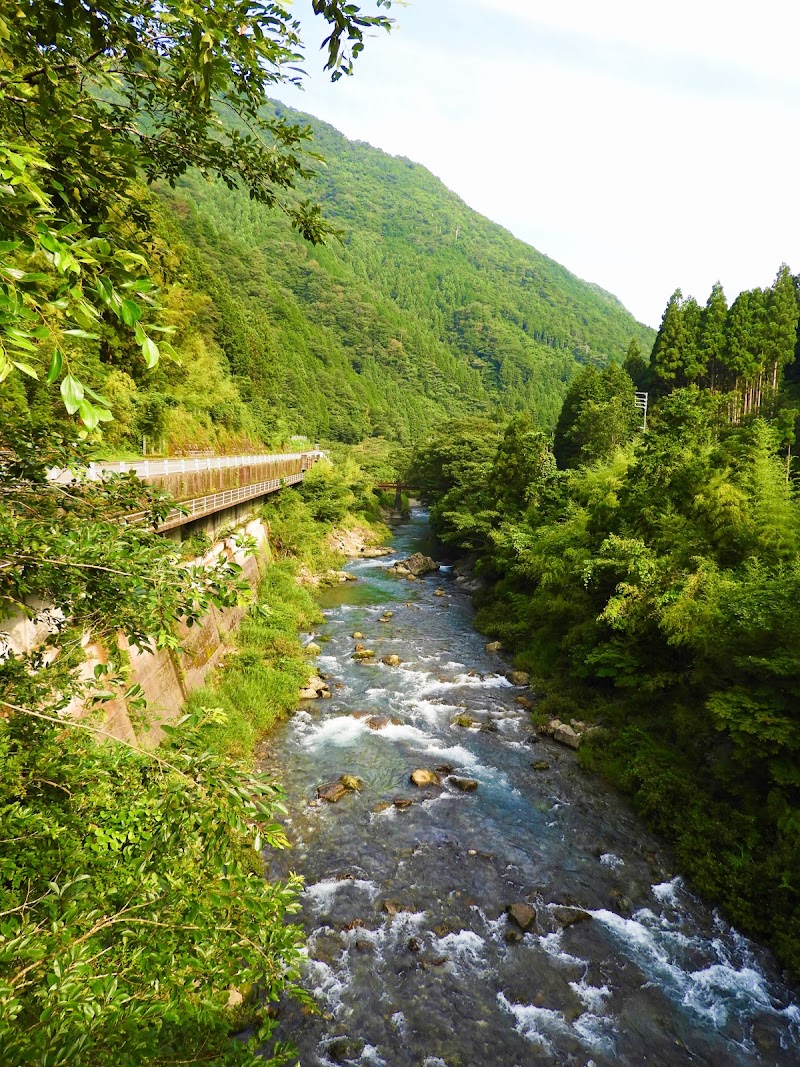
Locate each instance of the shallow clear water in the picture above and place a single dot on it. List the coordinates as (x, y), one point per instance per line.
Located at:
(409, 955)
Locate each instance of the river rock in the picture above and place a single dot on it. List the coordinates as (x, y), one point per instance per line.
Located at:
(360, 714)
(524, 915)
(386, 616)
(342, 1049)
(315, 688)
(235, 998)
(352, 782)
(541, 765)
(565, 735)
(422, 778)
(391, 907)
(567, 916)
(357, 636)
(332, 792)
(519, 678)
(312, 649)
(363, 653)
(382, 806)
(373, 551)
(401, 803)
(463, 720)
(378, 722)
(399, 570)
(490, 727)
(445, 768)
(524, 702)
(392, 661)
(494, 646)
(417, 564)
(439, 592)
(466, 785)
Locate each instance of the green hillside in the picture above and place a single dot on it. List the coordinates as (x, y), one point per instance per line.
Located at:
(422, 309)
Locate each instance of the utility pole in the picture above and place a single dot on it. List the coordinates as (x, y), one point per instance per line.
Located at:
(640, 401)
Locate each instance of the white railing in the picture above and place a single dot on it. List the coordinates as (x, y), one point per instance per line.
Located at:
(207, 505)
(156, 468)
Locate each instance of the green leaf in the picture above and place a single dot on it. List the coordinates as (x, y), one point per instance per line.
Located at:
(26, 368)
(130, 312)
(97, 396)
(82, 333)
(88, 414)
(72, 393)
(55, 366)
(150, 352)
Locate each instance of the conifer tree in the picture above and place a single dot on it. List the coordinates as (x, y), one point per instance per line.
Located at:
(666, 359)
(712, 333)
(635, 364)
(780, 328)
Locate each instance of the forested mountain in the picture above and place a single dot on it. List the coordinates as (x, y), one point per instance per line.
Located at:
(422, 309)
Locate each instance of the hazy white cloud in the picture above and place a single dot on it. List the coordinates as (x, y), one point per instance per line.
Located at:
(644, 145)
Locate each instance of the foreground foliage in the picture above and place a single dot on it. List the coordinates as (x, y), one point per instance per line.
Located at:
(650, 582)
(132, 893)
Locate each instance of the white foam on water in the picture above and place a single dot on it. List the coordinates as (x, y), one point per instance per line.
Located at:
(464, 948)
(339, 730)
(534, 1023)
(451, 665)
(608, 859)
(328, 985)
(591, 996)
(369, 1054)
(321, 894)
(596, 1031)
(398, 1021)
(466, 681)
(327, 661)
(376, 692)
(433, 1061)
(432, 712)
(715, 993)
(667, 892)
(551, 943)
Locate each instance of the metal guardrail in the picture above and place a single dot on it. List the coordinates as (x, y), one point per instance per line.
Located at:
(155, 468)
(207, 505)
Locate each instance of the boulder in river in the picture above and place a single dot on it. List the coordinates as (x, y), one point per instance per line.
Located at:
(416, 564)
(567, 916)
(378, 722)
(332, 792)
(463, 720)
(439, 592)
(357, 636)
(519, 678)
(524, 915)
(315, 688)
(494, 646)
(422, 777)
(363, 653)
(392, 661)
(374, 551)
(387, 615)
(541, 765)
(466, 785)
(401, 803)
(312, 649)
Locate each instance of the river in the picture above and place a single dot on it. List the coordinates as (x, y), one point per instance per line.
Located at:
(412, 957)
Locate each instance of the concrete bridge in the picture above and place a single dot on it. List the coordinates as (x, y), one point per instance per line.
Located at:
(212, 491)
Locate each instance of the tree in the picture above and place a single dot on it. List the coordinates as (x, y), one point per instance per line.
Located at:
(95, 96)
(712, 333)
(666, 359)
(635, 365)
(132, 895)
(598, 416)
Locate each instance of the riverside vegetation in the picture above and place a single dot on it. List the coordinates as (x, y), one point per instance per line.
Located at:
(648, 580)
(139, 301)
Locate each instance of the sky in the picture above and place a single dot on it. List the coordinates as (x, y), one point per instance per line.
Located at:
(645, 145)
